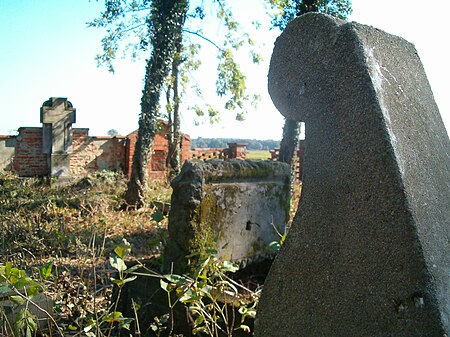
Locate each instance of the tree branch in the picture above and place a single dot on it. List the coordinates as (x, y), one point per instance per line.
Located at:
(202, 37)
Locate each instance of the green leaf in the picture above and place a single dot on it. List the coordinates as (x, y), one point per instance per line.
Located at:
(117, 282)
(133, 268)
(117, 263)
(228, 266)
(165, 285)
(46, 270)
(16, 299)
(129, 279)
(23, 282)
(33, 290)
(199, 320)
(178, 279)
(244, 327)
(114, 316)
(189, 296)
(4, 289)
(274, 246)
(8, 267)
(123, 249)
(158, 216)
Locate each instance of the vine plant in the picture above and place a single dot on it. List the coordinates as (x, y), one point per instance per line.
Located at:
(162, 28)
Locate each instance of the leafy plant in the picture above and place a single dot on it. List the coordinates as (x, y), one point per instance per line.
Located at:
(18, 291)
(212, 297)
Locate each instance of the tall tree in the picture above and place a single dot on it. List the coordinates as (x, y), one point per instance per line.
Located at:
(285, 11)
(173, 113)
(165, 24)
(160, 26)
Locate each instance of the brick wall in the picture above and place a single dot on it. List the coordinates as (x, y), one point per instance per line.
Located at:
(298, 159)
(234, 150)
(89, 154)
(28, 159)
(92, 154)
(157, 167)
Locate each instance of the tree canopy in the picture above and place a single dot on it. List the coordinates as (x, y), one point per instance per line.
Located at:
(160, 27)
(128, 33)
(287, 10)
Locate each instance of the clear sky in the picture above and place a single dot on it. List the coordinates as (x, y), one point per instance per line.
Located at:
(47, 50)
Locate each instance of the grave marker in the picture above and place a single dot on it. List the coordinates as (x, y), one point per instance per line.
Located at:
(57, 116)
(236, 205)
(368, 254)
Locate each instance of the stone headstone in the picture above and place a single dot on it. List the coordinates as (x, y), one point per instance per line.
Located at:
(238, 206)
(57, 117)
(368, 253)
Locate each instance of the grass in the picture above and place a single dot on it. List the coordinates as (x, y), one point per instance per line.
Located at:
(76, 227)
(258, 154)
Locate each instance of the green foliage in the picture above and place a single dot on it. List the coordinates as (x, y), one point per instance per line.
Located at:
(20, 289)
(117, 262)
(82, 292)
(133, 26)
(212, 297)
(112, 132)
(286, 10)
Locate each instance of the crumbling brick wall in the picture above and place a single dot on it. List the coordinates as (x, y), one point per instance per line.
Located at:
(92, 154)
(28, 159)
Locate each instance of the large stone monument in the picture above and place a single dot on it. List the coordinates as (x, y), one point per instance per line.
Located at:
(368, 254)
(237, 207)
(57, 117)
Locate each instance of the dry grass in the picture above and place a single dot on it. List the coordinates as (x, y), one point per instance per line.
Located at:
(76, 227)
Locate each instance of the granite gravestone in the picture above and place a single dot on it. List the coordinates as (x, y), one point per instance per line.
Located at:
(367, 254)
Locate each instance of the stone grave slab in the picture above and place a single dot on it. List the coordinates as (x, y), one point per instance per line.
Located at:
(368, 253)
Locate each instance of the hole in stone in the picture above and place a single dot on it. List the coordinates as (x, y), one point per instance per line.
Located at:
(248, 225)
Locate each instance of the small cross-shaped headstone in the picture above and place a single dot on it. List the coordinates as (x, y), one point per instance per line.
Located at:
(57, 116)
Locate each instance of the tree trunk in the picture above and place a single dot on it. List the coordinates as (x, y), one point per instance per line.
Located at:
(173, 158)
(166, 25)
(289, 142)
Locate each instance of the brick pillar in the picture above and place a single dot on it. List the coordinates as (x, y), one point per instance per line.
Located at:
(237, 150)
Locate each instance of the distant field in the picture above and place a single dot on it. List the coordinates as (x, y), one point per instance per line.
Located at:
(258, 154)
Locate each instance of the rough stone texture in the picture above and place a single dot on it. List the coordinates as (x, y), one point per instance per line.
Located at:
(233, 203)
(10, 310)
(368, 252)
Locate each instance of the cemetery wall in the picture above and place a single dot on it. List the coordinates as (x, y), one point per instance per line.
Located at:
(23, 154)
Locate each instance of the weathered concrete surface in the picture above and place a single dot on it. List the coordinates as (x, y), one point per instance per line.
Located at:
(57, 117)
(10, 310)
(7, 150)
(234, 204)
(368, 254)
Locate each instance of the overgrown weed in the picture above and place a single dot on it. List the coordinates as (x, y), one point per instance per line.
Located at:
(75, 226)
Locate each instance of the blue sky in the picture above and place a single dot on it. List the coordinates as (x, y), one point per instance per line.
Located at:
(47, 50)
